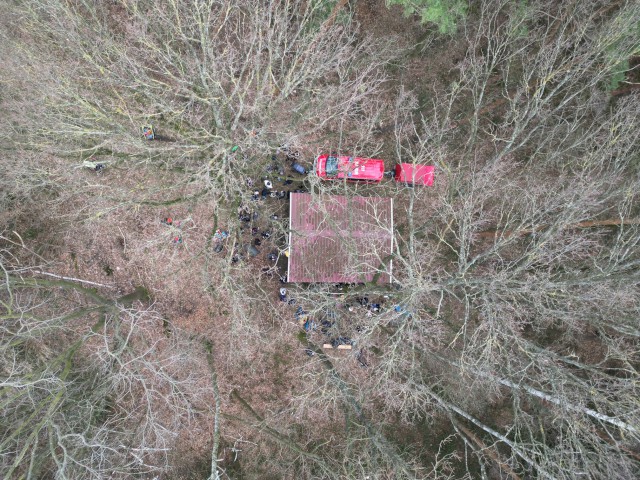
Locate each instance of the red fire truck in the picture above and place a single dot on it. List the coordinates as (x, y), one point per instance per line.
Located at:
(354, 169)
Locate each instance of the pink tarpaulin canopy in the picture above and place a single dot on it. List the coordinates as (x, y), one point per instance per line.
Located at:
(340, 239)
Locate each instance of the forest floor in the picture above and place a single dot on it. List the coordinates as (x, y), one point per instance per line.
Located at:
(144, 224)
(125, 241)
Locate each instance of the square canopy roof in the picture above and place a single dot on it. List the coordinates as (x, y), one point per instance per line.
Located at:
(340, 239)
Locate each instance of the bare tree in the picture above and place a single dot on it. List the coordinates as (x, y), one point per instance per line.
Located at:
(210, 75)
(540, 323)
(524, 345)
(96, 391)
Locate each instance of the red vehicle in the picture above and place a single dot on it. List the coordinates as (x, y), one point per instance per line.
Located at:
(330, 167)
(414, 174)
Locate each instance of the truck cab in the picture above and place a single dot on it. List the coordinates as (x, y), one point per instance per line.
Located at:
(353, 169)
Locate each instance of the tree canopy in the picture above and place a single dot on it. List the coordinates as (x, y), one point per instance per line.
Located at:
(143, 330)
